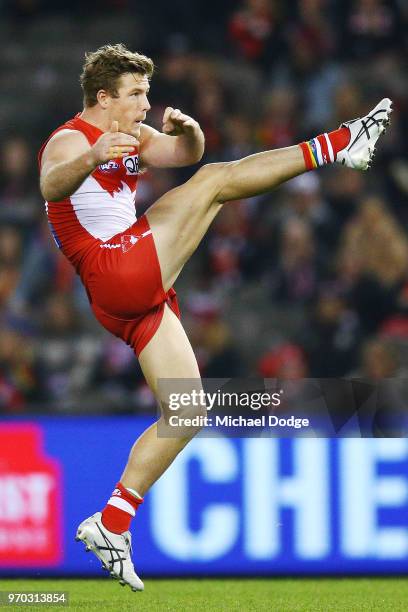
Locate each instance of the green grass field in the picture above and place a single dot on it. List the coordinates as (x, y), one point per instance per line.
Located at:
(274, 595)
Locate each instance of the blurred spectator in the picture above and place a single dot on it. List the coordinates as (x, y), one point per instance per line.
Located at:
(344, 189)
(372, 26)
(380, 360)
(10, 260)
(286, 361)
(20, 384)
(312, 42)
(313, 27)
(66, 354)
(373, 262)
(209, 102)
(296, 276)
(332, 337)
(223, 358)
(217, 353)
(118, 381)
(44, 269)
(306, 202)
(18, 194)
(254, 30)
(347, 102)
(278, 126)
(227, 242)
(382, 370)
(172, 84)
(238, 137)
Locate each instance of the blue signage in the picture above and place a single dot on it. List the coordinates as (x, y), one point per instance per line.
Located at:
(256, 506)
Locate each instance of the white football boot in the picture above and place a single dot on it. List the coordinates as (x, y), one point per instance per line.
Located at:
(364, 134)
(112, 549)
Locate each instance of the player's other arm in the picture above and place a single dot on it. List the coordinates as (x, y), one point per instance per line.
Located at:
(180, 144)
(68, 159)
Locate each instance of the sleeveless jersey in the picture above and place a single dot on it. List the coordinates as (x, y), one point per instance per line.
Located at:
(101, 207)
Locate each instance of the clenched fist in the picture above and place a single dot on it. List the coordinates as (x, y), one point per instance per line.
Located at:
(175, 122)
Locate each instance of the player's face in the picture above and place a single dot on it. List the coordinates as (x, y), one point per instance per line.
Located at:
(130, 108)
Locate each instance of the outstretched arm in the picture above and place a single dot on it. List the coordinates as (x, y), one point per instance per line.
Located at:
(68, 159)
(180, 144)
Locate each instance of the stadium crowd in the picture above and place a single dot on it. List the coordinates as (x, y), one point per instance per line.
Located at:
(308, 281)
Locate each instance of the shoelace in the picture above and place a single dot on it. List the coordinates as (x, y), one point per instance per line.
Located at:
(368, 123)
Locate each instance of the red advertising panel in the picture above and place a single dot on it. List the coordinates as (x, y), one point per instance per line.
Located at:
(30, 499)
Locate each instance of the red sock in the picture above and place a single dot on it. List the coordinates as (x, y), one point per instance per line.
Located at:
(323, 149)
(120, 509)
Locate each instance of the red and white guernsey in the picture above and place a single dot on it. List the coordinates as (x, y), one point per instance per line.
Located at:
(103, 206)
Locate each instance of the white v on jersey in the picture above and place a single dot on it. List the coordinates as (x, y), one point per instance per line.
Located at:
(102, 214)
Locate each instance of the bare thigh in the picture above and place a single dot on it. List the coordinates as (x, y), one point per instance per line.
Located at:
(169, 353)
(181, 217)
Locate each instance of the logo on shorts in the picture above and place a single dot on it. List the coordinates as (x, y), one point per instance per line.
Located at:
(128, 241)
(131, 164)
(109, 167)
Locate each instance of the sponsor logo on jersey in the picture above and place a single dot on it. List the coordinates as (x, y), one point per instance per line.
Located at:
(131, 163)
(108, 167)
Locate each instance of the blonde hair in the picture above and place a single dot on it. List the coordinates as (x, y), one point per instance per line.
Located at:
(103, 68)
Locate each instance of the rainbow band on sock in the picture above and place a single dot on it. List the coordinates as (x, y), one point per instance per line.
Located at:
(309, 158)
(313, 154)
(317, 152)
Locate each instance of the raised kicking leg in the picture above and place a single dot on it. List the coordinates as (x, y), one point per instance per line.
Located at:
(182, 216)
